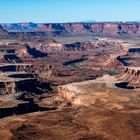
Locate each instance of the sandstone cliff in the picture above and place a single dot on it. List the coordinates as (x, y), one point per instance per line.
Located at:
(132, 76)
(77, 46)
(118, 29)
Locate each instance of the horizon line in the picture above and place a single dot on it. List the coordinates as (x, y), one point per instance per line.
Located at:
(137, 21)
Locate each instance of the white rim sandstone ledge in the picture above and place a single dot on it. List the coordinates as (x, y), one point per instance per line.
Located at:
(77, 95)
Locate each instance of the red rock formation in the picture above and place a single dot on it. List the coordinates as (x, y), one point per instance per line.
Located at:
(132, 76)
(97, 28)
(77, 27)
(22, 53)
(104, 28)
(52, 45)
(130, 29)
(113, 63)
(110, 28)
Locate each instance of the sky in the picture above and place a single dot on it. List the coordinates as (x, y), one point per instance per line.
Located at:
(54, 11)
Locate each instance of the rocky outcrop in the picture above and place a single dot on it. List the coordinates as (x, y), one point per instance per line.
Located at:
(118, 29)
(80, 46)
(113, 63)
(132, 76)
(76, 46)
(88, 45)
(93, 92)
(43, 73)
(53, 46)
(21, 53)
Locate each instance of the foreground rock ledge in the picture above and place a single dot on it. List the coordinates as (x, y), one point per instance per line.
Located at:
(101, 90)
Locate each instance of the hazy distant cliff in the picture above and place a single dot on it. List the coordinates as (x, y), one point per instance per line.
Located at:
(103, 28)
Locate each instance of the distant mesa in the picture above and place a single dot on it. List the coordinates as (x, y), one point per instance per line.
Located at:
(113, 29)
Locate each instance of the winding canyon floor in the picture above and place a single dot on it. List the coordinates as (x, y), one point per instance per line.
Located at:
(85, 103)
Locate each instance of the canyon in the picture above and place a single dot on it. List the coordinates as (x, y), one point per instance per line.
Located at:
(75, 81)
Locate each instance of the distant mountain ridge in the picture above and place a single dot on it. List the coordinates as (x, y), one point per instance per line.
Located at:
(123, 29)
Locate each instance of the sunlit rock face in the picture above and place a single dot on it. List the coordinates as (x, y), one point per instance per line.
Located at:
(86, 93)
(22, 53)
(132, 76)
(48, 47)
